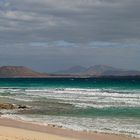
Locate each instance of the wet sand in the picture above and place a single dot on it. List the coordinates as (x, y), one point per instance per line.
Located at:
(20, 130)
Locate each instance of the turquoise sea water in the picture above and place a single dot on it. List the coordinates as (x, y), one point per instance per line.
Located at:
(110, 105)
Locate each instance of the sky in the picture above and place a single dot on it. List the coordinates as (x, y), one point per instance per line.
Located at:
(50, 35)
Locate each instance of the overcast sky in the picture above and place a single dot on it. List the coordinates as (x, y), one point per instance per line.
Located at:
(49, 35)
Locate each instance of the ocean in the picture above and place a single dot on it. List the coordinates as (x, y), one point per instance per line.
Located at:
(107, 105)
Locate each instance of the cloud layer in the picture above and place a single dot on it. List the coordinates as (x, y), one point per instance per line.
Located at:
(59, 31)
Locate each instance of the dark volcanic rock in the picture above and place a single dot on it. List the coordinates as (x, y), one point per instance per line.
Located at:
(22, 107)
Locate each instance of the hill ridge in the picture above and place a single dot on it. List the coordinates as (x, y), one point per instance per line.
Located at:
(19, 71)
(100, 70)
(76, 71)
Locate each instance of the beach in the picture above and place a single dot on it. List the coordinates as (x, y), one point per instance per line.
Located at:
(20, 130)
(8, 133)
(69, 70)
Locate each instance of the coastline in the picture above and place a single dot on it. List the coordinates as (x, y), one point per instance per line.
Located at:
(17, 128)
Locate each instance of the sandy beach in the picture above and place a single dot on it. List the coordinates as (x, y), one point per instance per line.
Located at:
(16, 132)
(19, 130)
(9, 133)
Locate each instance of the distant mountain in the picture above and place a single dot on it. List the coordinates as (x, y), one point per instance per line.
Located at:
(99, 70)
(19, 71)
(77, 71)
(122, 73)
(73, 70)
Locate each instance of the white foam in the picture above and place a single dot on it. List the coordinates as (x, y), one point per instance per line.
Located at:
(97, 98)
(90, 97)
(83, 98)
(125, 126)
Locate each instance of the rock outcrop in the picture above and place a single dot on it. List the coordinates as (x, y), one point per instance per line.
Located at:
(7, 106)
(10, 106)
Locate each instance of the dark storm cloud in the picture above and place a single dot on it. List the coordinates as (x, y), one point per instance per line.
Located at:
(69, 32)
(72, 21)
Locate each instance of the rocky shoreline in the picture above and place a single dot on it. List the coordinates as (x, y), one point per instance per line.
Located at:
(10, 106)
